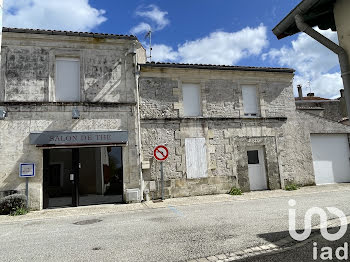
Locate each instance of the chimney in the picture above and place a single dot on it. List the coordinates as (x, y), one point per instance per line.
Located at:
(311, 94)
(341, 92)
(300, 92)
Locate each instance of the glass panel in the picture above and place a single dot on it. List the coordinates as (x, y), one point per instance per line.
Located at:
(253, 157)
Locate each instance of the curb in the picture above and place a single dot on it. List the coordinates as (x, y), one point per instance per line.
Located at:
(279, 246)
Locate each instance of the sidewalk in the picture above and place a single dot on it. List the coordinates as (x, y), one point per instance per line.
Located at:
(197, 200)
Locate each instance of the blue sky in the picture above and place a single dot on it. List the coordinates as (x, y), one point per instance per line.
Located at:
(233, 32)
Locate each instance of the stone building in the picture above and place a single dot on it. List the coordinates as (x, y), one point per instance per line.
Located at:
(332, 109)
(70, 106)
(88, 111)
(233, 126)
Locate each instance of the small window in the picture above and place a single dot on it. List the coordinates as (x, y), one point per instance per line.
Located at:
(191, 99)
(253, 157)
(250, 101)
(67, 87)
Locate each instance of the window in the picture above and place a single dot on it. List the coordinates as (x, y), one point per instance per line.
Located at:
(67, 87)
(191, 99)
(196, 158)
(250, 101)
(253, 157)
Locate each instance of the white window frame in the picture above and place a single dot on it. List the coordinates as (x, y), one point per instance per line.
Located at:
(200, 113)
(63, 58)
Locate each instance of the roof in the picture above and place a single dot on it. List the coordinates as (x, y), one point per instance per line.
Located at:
(217, 67)
(315, 13)
(67, 33)
(312, 98)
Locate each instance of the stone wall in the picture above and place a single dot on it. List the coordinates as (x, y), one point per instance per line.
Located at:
(282, 132)
(22, 119)
(332, 109)
(108, 99)
(28, 67)
(227, 132)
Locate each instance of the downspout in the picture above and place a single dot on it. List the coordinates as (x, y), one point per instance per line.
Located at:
(137, 75)
(342, 55)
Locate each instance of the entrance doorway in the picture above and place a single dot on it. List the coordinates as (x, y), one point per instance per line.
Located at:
(82, 176)
(256, 169)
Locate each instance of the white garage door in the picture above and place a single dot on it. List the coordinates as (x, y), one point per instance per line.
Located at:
(330, 155)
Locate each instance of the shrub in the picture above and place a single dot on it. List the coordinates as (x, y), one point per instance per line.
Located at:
(291, 187)
(12, 203)
(235, 191)
(19, 212)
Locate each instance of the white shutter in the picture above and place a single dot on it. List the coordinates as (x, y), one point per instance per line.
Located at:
(191, 99)
(250, 103)
(67, 80)
(196, 158)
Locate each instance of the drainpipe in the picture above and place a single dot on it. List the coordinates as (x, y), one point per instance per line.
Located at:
(137, 75)
(342, 55)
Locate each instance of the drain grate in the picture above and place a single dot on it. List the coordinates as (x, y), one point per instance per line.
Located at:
(87, 222)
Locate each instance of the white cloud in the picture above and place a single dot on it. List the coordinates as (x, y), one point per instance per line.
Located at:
(313, 62)
(225, 48)
(156, 19)
(77, 15)
(163, 53)
(140, 28)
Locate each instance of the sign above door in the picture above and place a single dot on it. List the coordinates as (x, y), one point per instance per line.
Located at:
(59, 138)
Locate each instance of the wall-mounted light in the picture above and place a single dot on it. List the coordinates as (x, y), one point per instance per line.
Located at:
(75, 113)
(3, 113)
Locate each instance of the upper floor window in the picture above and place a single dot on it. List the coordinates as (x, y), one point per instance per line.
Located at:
(67, 87)
(191, 99)
(250, 100)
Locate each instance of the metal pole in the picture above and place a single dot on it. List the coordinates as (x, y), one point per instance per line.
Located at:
(162, 179)
(27, 191)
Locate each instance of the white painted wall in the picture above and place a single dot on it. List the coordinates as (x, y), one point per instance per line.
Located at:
(331, 161)
(196, 158)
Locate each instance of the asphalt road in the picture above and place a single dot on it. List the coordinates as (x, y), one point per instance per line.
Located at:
(165, 234)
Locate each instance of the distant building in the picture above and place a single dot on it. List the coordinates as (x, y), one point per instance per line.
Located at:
(332, 109)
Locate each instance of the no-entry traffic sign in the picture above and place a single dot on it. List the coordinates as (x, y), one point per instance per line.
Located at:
(161, 153)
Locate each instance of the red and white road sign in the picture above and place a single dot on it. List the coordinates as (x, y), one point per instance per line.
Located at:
(161, 153)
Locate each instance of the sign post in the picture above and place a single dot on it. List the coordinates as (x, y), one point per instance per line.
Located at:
(27, 170)
(161, 153)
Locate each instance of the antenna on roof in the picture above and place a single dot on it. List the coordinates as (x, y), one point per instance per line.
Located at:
(309, 85)
(149, 35)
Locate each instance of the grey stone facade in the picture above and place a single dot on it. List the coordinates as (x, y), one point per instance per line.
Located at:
(282, 131)
(108, 99)
(119, 92)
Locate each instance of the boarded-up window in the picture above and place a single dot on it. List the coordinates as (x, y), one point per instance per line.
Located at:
(250, 102)
(196, 158)
(191, 99)
(67, 80)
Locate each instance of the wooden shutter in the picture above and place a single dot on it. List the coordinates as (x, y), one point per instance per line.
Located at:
(191, 99)
(67, 80)
(250, 103)
(196, 158)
